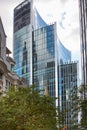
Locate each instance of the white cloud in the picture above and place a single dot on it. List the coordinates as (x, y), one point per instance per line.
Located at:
(66, 13)
(69, 33)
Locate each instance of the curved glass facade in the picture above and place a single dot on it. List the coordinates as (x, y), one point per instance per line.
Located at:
(64, 53)
(37, 52)
(44, 58)
(39, 55)
(39, 22)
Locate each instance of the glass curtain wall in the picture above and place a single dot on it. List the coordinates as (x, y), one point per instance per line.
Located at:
(22, 46)
(69, 78)
(22, 52)
(44, 58)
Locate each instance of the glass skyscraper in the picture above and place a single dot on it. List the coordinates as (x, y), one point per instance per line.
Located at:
(24, 25)
(40, 55)
(22, 46)
(36, 49)
(83, 32)
(68, 83)
(44, 58)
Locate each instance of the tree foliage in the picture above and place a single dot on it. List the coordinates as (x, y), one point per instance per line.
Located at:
(74, 108)
(83, 106)
(26, 109)
(79, 106)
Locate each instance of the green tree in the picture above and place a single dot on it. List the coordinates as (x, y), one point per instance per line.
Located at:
(74, 108)
(61, 119)
(79, 105)
(83, 106)
(26, 109)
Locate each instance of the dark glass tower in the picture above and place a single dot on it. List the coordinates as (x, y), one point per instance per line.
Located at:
(22, 15)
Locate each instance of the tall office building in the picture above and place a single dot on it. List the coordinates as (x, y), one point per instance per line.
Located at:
(24, 24)
(68, 83)
(36, 49)
(22, 46)
(45, 59)
(83, 30)
(39, 53)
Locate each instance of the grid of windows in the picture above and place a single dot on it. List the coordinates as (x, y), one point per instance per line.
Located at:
(44, 59)
(68, 81)
(36, 51)
(22, 15)
(23, 40)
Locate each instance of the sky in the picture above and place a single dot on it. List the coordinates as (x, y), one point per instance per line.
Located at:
(64, 12)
